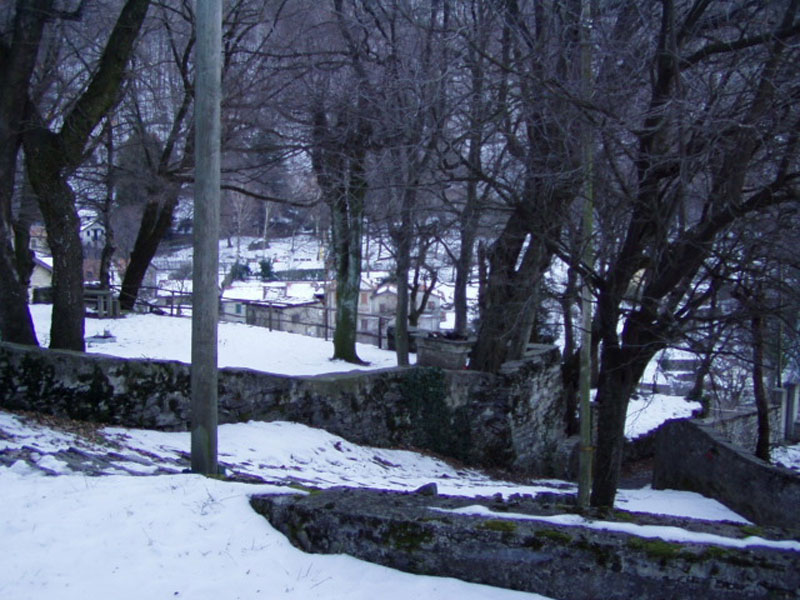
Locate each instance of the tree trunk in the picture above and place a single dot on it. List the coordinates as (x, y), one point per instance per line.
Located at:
(463, 267)
(346, 222)
(17, 62)
(16, 324)
(511, 298)
(620, 372)
(156, 221)
(467, 232)
(52, 157)
(402, 239)
(338, 158)
(762, 401)
(57, 203)
(107, 253)
(402, 266)
(570, 365)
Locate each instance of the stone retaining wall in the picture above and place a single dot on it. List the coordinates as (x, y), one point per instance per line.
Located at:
(693, 456)
(411, 532)
(741, 426)
(511, 421)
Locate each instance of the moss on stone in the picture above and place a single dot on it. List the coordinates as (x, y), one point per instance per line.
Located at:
(434, 425)
(554, 535)
(408, 537)
(499, 525)
(655, 548)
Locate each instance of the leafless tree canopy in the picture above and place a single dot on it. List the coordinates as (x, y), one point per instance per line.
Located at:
(475, 125)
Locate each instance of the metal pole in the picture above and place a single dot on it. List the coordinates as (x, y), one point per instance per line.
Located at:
(205, 309)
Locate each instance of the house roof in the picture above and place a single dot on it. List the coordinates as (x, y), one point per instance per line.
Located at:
(46, 262)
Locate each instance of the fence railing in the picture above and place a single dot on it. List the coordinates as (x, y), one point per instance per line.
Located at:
(313, 320)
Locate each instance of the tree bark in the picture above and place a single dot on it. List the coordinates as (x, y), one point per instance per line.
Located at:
(57, 203)
(762, 401)
(347, 222)
(620, 373)
(402, 239)
(16, 68)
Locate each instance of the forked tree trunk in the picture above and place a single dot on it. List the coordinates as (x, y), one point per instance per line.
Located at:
(57, 204)
(52, 157)
(511, 301)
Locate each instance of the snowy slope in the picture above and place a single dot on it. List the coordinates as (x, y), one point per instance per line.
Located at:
(71, 536)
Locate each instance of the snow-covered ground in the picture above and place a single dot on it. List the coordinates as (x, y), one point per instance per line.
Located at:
(648, 411)
(65, 534)
(68, 535)
(240, 345)
(787, 456)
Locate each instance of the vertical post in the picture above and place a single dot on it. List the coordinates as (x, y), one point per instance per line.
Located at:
(791, 411)
(586, 443)
(777, 415)
(205, 309)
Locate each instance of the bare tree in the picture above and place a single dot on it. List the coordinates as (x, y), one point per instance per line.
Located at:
(53, 156)
(540, 182)
(712, 147)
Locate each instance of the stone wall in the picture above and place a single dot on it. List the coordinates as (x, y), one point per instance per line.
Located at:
(511, 420)
(741, 426)
(694, 456)
(412, 532)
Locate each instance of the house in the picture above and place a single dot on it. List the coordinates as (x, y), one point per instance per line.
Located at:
(377, 304)
(38, 242)
(93, 233)
(41, 279)
(291, 306)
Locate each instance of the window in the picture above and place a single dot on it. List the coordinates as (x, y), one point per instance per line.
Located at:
(238, 309)
(296, 318)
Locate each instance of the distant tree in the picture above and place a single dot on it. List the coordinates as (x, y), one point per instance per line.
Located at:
(240, 271)
(267, 272)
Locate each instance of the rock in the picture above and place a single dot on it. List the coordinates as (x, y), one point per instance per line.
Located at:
(420, 534)
(429, 489)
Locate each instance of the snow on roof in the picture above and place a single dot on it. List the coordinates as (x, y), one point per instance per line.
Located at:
(44, 261)
(281, 292)
(244, 290)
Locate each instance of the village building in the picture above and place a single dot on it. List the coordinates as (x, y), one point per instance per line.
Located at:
(41, 279)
